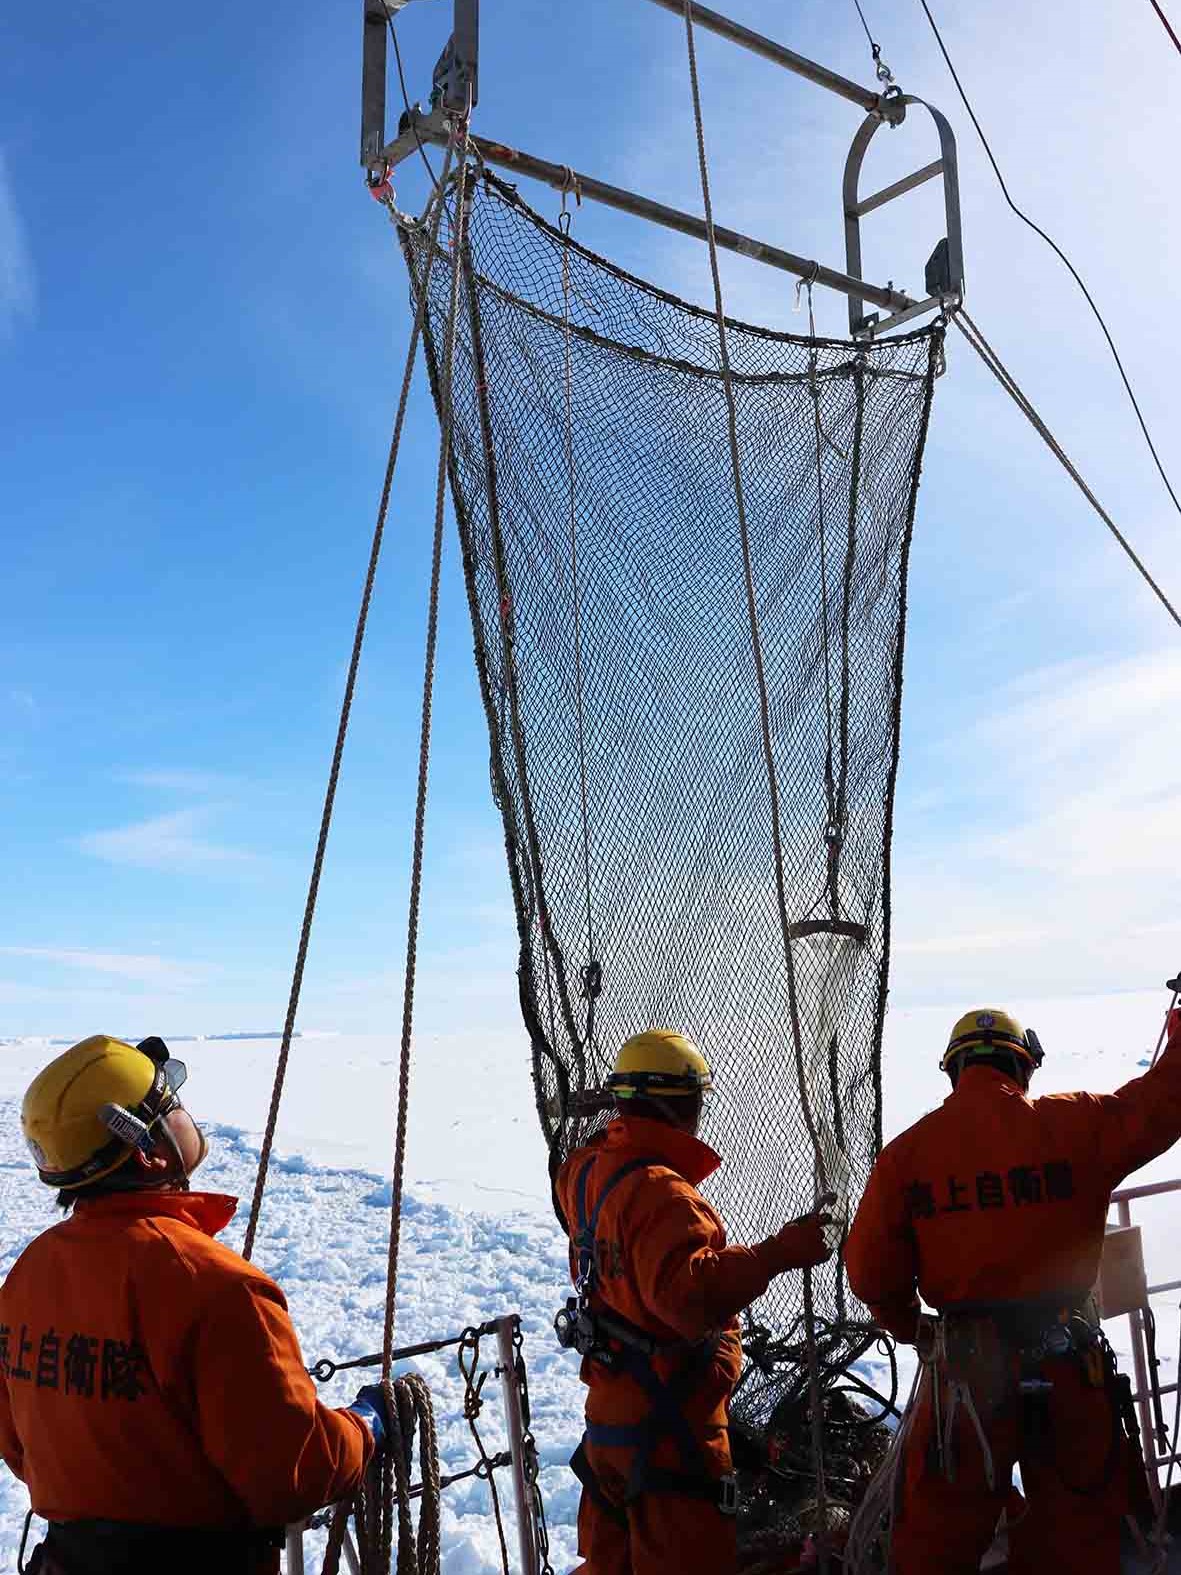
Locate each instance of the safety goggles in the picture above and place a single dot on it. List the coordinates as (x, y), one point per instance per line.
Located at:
(630, 1084)
(134, 1127)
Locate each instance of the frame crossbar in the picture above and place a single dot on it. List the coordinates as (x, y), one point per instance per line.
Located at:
(456, 76)
(713, 22)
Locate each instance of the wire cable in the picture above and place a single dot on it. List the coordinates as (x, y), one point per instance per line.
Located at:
(884, 73)
(1003, 376)
(1168, 26)
(1050, 242)
(406, 101)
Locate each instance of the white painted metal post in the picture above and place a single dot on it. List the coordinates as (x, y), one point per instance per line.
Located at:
(522, 1490)
(295, 1550)
(1140, 1365)
(350, 1553)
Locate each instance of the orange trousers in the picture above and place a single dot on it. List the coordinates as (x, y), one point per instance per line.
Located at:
(659, 1534)
(1077, 1472)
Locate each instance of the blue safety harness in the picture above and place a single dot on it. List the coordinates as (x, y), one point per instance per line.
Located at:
(624, 1347)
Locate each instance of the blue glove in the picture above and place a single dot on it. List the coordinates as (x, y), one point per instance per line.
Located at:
(370, 1407)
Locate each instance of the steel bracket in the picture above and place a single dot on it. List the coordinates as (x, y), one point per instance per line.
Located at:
(944, 280)
(455, 86)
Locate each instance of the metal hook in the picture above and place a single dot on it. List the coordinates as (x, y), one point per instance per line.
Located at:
(806, 281)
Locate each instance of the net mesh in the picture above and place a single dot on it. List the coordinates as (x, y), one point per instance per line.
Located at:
(594, 492)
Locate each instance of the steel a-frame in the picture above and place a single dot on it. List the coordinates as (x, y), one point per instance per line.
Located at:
(455, 88)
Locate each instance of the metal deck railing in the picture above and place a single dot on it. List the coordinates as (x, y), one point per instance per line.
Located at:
(1145, 1382)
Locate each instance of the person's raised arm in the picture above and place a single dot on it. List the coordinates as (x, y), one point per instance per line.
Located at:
(1143, 1118)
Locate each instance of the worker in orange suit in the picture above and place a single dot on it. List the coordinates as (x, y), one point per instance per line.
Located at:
(658, 1292)
(992, 1208)
(152, 1392)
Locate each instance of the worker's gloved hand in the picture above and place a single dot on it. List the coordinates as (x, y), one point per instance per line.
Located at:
(801, 1244)
(371, 1408)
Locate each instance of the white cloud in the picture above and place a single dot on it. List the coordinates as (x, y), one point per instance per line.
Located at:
(175, 780)
(1062, 875)
(165, 842)
(18, 284)
(971, 942)
(140, 969)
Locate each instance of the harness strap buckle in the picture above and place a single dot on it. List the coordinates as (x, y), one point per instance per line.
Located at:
(728, 1494)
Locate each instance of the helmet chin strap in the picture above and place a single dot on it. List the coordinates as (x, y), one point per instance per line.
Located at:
(179, 1172)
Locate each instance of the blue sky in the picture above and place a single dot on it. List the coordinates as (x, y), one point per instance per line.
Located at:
(202, 322)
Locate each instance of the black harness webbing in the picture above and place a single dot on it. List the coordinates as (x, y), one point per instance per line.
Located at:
(666, 1418)
(588, 1224)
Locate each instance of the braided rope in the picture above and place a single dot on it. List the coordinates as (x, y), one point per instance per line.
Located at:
(346, 706)
(814, 1385)
(872, 1526)
(424, 751)
(386, 1492)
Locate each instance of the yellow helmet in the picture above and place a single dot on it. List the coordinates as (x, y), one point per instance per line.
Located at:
(659, 1062)
(91, 1106)
(985, 1031)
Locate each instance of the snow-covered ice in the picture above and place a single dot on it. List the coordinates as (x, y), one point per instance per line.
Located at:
(478, 1236)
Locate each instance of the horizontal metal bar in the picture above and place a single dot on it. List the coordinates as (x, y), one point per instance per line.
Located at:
(1163, 1389)
(898, 189)
(713, 22)
(1160, 1290)
(1153, 1191)
(847, 928)
(561, 178)
(915, 309)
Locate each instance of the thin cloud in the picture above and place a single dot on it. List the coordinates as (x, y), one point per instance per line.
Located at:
(165, 842)
(135, 967)
(18, 281)
(969, 942)
(175, 780)
(1060, 876)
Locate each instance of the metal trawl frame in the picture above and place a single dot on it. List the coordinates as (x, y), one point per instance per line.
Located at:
(945, 268)
(456, 78)
(458, 70)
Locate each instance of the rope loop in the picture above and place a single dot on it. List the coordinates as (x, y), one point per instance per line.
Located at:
(387, 1492)
(571, 186)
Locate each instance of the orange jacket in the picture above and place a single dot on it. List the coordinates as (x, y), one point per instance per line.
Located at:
(998, 1197)
(149, 1374)
(663, 1263)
